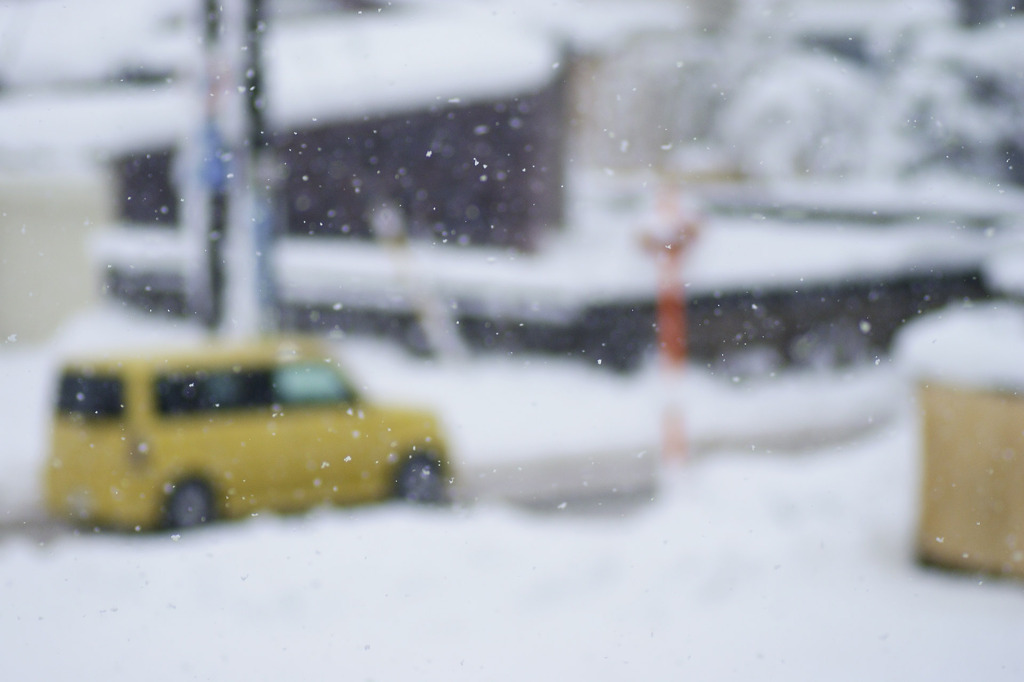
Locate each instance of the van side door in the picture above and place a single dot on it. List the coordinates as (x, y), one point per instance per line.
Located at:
(218, 424)
(334, 450)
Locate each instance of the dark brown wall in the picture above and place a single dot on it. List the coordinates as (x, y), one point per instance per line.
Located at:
(482, 174)
(144, 190)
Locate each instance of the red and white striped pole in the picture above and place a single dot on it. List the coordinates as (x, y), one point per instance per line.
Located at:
(670, 245)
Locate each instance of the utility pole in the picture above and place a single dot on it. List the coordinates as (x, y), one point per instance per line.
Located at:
(250, 292)
(237, 169)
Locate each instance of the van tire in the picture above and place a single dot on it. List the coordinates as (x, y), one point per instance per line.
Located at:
(189, 504)
(420, 479)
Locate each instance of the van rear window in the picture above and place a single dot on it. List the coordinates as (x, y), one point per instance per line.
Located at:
(90, 396)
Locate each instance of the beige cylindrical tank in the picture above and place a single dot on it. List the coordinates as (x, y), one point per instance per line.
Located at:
(972, 478)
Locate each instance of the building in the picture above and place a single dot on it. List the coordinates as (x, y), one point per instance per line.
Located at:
(450, 128)
(450, 123)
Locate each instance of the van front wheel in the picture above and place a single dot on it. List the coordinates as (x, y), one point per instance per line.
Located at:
(420, 479)
(189, 504)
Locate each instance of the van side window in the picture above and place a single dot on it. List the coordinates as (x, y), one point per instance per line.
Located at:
(187, 392)
(310, 384)
(90, 396)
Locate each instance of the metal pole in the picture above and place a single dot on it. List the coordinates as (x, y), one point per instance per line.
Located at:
(214, 169)
(247, 294)
(262, 166)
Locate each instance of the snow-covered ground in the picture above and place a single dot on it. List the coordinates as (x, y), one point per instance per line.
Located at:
(757, 558)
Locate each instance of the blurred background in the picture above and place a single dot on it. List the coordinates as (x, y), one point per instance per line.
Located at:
(405, 169)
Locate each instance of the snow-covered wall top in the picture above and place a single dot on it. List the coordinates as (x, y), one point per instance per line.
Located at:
(978, 347)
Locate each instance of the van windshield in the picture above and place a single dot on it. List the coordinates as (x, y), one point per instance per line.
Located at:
(90, 396)
(310, 384)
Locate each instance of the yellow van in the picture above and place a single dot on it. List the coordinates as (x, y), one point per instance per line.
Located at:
(178, 439)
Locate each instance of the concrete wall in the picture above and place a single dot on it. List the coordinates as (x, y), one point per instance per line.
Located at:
(45, 271)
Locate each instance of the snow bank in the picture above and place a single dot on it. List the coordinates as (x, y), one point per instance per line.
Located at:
(976, 347)
(1004, 270)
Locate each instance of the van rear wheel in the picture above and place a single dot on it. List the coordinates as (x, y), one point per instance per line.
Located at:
(189, 504)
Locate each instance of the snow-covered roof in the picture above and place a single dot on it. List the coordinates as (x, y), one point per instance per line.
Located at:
(584, 25)
(46, 123)
(47, 42)
(353, 66)
(322, 68)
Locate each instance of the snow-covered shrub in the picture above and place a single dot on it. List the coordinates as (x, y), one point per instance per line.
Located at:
(798, 114)
(960, 101)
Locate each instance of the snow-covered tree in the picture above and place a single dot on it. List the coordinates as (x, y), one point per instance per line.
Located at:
(961, 102)
(798, 115)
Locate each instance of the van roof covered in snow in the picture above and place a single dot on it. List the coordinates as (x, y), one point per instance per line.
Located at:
(204, 354)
